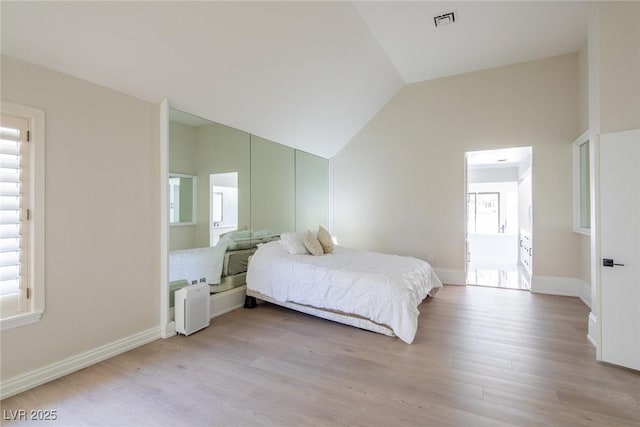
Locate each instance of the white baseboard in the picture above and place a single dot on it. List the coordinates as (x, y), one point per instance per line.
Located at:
(170, 330)
(450, 276)
(553, 285)
(591, 334)
(565, 286)
(584, 292)
(64, 367)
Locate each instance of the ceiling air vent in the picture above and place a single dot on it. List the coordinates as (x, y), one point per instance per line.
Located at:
(444, 19)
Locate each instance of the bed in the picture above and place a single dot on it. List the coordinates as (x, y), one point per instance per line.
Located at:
(368, 290)
(223, 266)
(238, 247)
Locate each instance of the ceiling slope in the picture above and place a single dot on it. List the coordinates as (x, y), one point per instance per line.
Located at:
(309, 74)
(485, 35)
(306, 74)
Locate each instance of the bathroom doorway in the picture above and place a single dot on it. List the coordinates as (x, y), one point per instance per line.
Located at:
(499, 218)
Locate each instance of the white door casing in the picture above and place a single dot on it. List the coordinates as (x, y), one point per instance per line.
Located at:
(620, 241)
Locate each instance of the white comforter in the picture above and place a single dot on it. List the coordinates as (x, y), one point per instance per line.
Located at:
(386, 289)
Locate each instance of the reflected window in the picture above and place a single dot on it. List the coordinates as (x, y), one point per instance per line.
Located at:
(182, 201)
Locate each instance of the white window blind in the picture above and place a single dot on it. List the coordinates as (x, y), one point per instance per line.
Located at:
(14, 187)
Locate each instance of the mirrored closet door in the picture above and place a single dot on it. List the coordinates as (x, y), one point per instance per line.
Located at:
(230, 191)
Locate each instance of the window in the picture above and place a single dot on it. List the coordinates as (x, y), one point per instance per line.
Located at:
(581, 185)
(483, 213)
(21, 215)
(182, 200)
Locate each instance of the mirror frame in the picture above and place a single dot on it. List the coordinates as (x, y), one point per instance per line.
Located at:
(194, 179)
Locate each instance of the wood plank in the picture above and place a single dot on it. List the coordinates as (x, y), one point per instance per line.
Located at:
(482, 357)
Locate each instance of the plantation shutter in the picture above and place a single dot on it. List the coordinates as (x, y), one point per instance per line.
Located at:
(14, 198)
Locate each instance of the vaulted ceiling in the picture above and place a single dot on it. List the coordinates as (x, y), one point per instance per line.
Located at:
(307, 74)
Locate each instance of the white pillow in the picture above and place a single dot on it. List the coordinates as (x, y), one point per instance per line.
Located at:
(325, 239)
(312, 244)
(293, 243)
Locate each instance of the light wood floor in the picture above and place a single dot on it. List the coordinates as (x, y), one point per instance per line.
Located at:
(482, 357)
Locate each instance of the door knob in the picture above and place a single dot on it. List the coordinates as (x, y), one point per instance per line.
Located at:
(608, 262)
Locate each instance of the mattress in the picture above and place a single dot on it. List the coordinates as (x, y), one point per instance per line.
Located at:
(236, 262)
(229, 282)
(208, 262)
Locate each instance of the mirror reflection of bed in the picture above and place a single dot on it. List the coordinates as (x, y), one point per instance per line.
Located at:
(247, 190)
(233, 251)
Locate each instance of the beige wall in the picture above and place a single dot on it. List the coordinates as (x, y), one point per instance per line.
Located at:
(102, 219)
(182, 159)
(619, 61)
(614, 86)
(398, 184)
(583, 90)
(585, 258)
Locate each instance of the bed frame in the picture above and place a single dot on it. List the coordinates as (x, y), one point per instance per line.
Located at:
(333, 315)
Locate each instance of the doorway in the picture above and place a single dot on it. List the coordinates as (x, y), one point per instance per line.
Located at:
(223, 192)
(499, 218)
